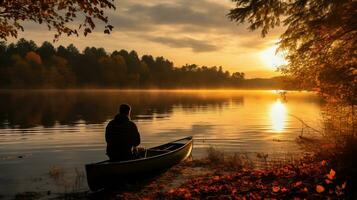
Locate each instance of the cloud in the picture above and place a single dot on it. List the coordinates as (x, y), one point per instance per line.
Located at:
(174, 14)
(184, 31)
(181, 15)
(178, 23)
(195, 45)
(175, 23)
(257, 43)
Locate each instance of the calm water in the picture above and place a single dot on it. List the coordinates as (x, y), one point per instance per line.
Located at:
(42, 129)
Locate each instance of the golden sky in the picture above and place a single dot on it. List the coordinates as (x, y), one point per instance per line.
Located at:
(183, 31)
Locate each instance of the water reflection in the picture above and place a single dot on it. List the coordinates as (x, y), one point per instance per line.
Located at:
(66, 128)
(278, 116)
(27, 109)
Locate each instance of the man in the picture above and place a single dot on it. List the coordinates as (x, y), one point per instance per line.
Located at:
(121, 135)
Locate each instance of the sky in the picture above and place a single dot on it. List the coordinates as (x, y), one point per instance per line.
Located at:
(183, 31)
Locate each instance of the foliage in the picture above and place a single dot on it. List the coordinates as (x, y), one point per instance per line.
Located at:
(305, 181)
(33, 57)
(227, 162)
(340, 129)
(319, 41)
(306, 178)
(55, 14)
(339, 122)
(25, 65)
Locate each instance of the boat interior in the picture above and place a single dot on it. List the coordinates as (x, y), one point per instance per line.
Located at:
(160, 149)
(163, 149)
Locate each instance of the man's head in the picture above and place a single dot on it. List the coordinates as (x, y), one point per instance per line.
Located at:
(124, 109)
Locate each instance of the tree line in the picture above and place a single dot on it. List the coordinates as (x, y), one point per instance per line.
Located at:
(26, 65)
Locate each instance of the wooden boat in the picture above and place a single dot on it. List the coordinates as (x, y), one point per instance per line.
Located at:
(156, 159)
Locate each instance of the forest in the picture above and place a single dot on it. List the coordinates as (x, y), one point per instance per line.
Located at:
(26, 65)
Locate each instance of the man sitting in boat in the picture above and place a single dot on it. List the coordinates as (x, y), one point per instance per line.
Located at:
(122, 135)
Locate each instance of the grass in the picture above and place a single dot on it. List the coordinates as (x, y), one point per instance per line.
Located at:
(72, 184)
(235, 161)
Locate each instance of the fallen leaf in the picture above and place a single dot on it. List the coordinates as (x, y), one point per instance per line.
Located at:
(323, 163)
(297, 184)
(331, 175)
(275, 188)
(320, 188)
(328, 181)
(344, 185)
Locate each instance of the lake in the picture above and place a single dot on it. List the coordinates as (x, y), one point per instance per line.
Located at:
(45, 129)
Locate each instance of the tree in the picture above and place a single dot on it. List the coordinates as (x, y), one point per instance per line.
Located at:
(320, 41)
(150, 62)
(23, 46)
(55, 14)
(60, 73)
(238, 76)
(25, 65)
(33, 57)
(46, 50)
(2, 52)
(72, 50)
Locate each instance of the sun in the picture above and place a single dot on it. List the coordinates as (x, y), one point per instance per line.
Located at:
(271, 59)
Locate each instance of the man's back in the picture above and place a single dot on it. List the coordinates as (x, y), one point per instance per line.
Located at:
(121, 135)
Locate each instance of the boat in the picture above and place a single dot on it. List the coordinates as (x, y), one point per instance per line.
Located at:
(157, 159)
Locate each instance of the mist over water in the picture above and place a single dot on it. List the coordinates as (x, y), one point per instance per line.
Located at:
(40, 129)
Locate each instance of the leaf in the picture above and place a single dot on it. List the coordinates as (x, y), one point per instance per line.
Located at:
(323, 163)
(276, 188)
(216, 178)
(297, 184)
(343, 186)
(283, 189)
(320, 188)
(305, 189)
(331, 175)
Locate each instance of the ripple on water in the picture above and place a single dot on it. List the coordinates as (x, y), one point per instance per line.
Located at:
(67, 128)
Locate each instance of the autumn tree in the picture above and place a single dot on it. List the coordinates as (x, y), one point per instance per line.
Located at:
(26, 65)
(58, 15)
(319, 41)
(33, 57)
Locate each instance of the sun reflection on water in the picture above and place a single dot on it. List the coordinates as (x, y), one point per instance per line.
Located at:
(277, 116)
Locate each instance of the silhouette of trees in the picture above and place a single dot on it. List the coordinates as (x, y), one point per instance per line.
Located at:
(55, 14)
(319, 41)
(24, 65)
(46, 51)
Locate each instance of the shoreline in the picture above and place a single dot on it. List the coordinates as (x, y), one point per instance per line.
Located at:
(219, 175)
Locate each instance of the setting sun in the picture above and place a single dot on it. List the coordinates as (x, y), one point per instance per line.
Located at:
(271, 58)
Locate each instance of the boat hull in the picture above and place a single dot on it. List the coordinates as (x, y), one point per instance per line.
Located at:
(106, 174)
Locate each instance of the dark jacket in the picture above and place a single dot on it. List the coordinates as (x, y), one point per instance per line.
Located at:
(121, 135)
